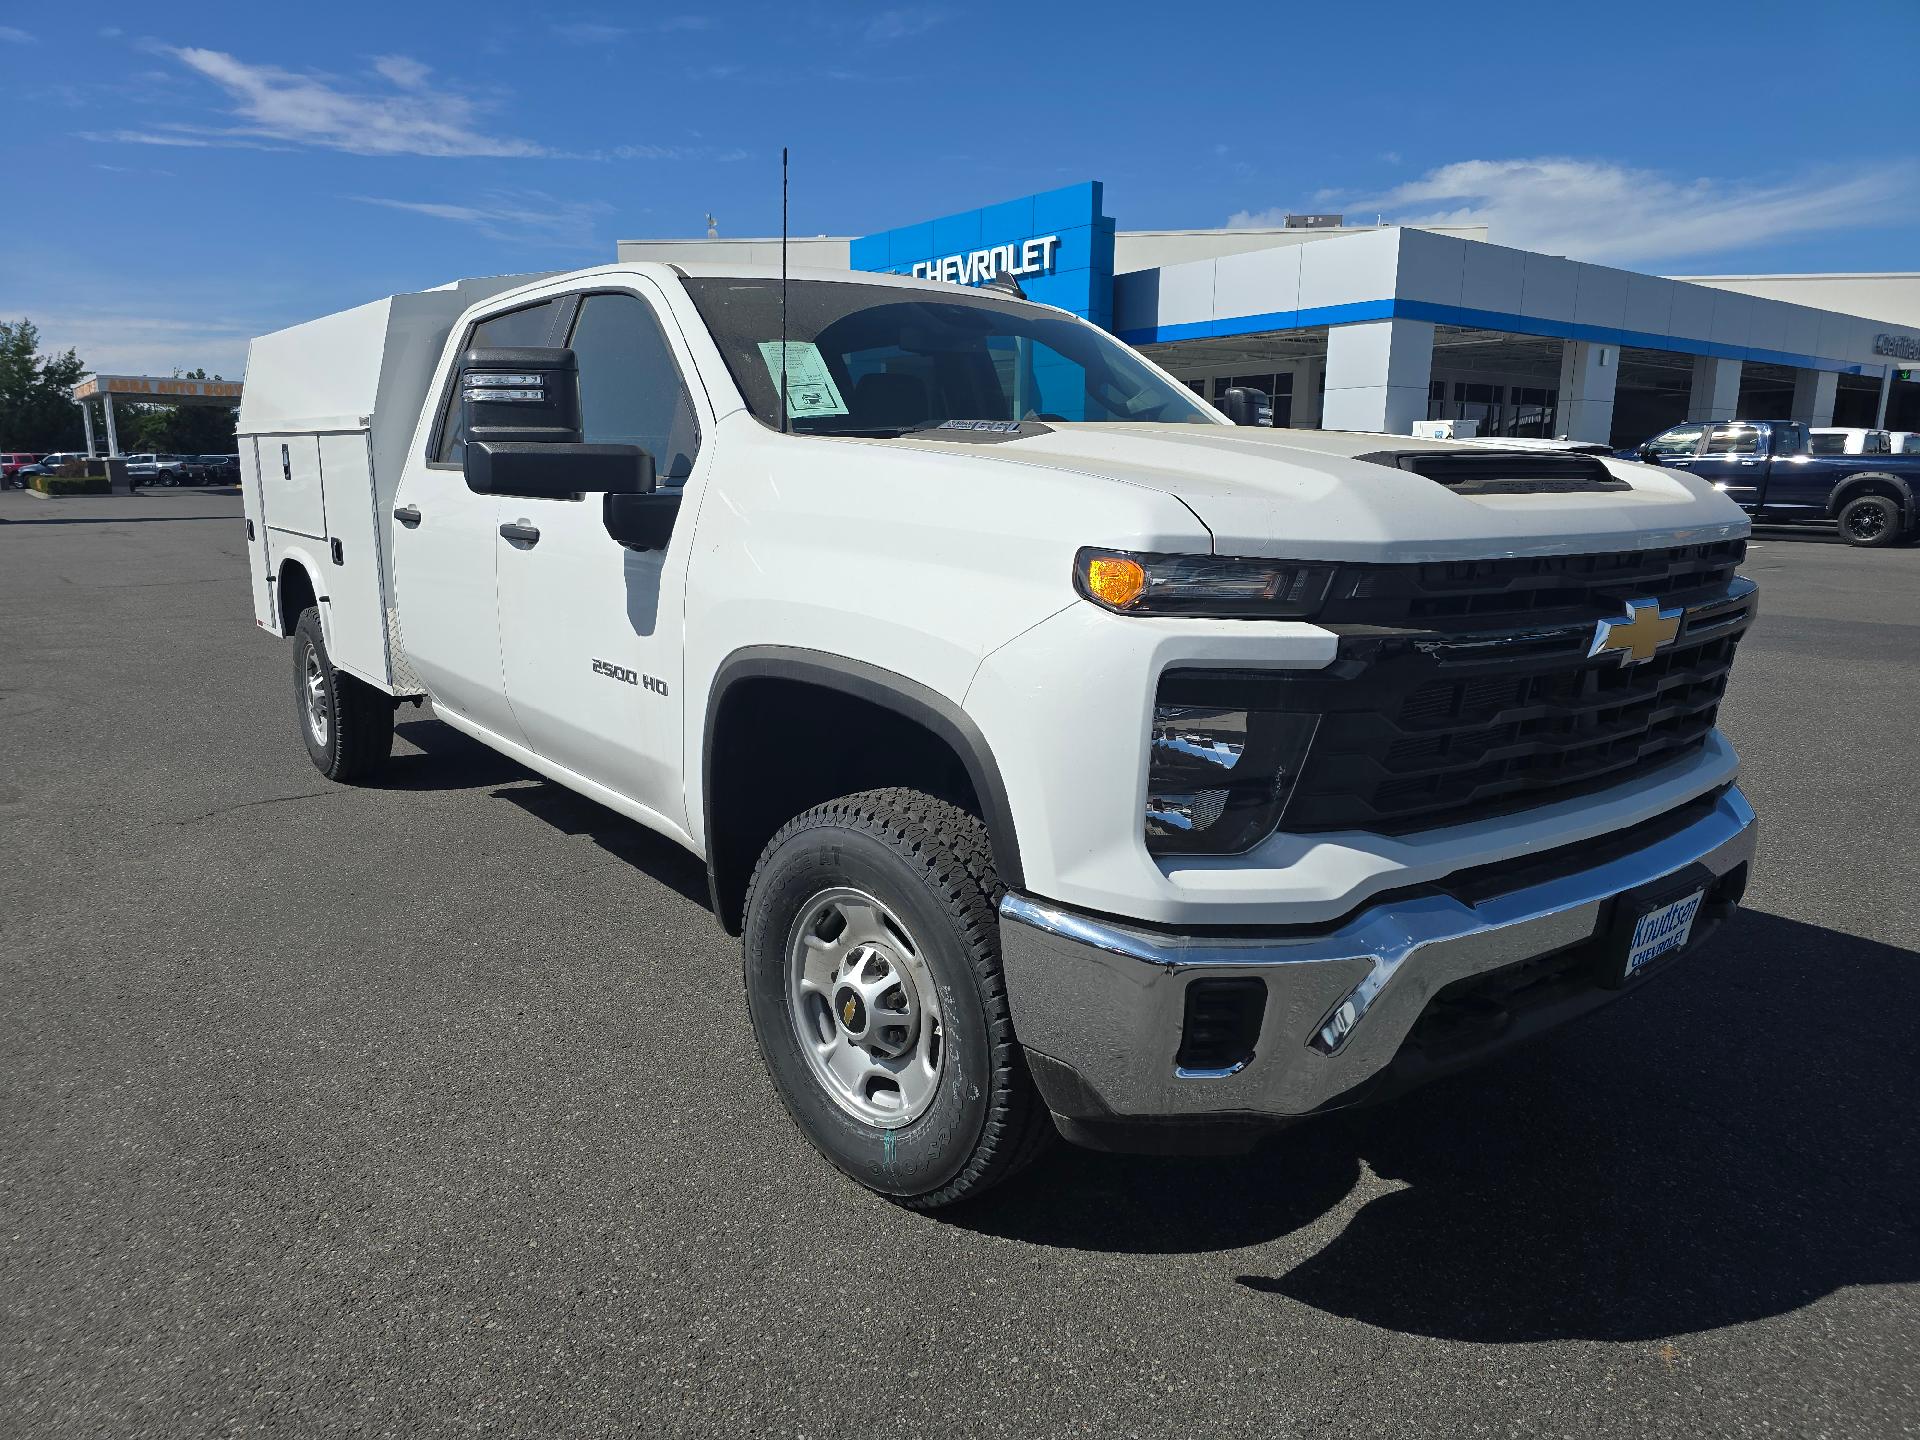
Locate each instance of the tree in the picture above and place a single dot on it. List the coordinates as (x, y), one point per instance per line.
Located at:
(37, 412)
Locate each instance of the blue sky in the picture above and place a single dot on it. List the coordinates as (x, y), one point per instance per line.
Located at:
(182, 178)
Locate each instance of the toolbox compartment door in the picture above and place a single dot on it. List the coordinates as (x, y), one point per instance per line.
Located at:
(356, 611)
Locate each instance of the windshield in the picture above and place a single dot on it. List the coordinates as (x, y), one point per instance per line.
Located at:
(880, 360)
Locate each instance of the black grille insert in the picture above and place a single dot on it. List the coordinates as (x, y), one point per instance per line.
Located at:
(1434, 716)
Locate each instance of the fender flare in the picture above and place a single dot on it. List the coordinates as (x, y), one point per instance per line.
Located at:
(1844, 490)
(905, 697)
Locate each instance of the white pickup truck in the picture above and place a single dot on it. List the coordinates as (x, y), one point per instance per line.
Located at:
(1068, 757)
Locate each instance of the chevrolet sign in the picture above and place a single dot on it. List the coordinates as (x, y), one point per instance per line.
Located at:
(976, 267)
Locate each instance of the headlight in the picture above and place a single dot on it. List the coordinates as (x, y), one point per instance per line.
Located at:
(1219, 770)
(1134, 583)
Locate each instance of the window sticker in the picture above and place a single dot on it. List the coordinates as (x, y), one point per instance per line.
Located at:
(810, 387)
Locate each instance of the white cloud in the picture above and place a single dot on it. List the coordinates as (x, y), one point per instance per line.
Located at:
(1591, 210)
(526, 217)
(277, 104)
(402, 70)
(903, 23)
(593, 32)
(13, 35)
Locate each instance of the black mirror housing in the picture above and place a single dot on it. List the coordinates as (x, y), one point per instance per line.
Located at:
(642, 522)
(1244, 405)
(520, 393)
(556, 470)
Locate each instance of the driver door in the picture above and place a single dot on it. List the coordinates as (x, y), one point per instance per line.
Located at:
(590, 632)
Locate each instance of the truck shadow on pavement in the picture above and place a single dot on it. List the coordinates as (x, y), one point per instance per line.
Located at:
(1734, 1144)
(449, 760)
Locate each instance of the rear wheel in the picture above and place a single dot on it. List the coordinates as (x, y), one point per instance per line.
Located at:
(347, 724)
(1871, 520)
(872, 969)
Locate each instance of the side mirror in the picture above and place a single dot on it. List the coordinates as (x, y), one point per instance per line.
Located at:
(1646, 452)
(555, 470)
(1244, 405)
(520, 414)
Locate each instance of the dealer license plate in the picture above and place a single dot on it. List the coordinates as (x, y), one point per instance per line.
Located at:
(1661, 931)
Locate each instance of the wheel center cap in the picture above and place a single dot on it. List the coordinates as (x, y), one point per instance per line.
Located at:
(851, 1011)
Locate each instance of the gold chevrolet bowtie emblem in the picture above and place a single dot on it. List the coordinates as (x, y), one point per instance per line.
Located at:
(1639, 636)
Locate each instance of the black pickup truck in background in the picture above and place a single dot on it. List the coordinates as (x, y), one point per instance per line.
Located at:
(1769, 467)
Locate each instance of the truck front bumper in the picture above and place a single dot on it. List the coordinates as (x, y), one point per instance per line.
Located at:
(1325, 1017)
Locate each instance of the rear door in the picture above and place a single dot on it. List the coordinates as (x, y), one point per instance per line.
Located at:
(444, 539)
(1734, 460)
(1797, 479)
(590, 632)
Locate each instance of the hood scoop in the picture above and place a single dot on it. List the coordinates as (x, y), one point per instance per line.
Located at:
(1504, 472)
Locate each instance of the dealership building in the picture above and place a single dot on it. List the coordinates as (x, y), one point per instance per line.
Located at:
(1374, 327)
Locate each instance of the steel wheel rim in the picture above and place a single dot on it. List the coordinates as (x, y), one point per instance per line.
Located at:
(864, 1008)
(314, 684)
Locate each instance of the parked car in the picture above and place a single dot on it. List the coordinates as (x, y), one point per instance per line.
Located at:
(1068, 757)
(46, 465)
(220, 469)
(1770, 468)
(1847, 440)
(11, 462)
(151, 469)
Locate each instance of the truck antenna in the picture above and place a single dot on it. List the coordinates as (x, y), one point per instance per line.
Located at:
(784, 425)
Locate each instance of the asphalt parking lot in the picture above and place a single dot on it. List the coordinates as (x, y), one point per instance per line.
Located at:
(432, 1108)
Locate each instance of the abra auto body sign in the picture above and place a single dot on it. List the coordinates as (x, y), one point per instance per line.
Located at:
(976, 267)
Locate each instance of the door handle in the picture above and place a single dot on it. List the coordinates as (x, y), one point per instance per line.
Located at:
(407, 515)
(523, 532)
(1749, 462)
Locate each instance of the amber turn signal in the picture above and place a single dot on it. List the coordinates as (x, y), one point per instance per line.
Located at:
(1115, 579)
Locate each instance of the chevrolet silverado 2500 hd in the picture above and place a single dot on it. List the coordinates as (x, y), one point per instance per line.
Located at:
(1067, 757)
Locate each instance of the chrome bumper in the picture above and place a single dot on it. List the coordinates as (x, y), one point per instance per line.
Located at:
(1107, 1002)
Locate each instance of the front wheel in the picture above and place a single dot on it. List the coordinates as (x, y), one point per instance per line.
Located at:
(872, 970)
(347, 724)
(1871, 520)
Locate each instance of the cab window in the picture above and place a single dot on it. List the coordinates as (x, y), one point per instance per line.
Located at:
(631, 389)
(1734, 440)
(1677, 443)
(528, 325)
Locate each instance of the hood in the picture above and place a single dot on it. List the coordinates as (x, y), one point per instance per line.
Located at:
(1306, 494)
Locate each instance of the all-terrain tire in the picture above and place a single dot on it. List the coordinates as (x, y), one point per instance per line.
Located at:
(1872, 520)
(930, 864)
(347, 724)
